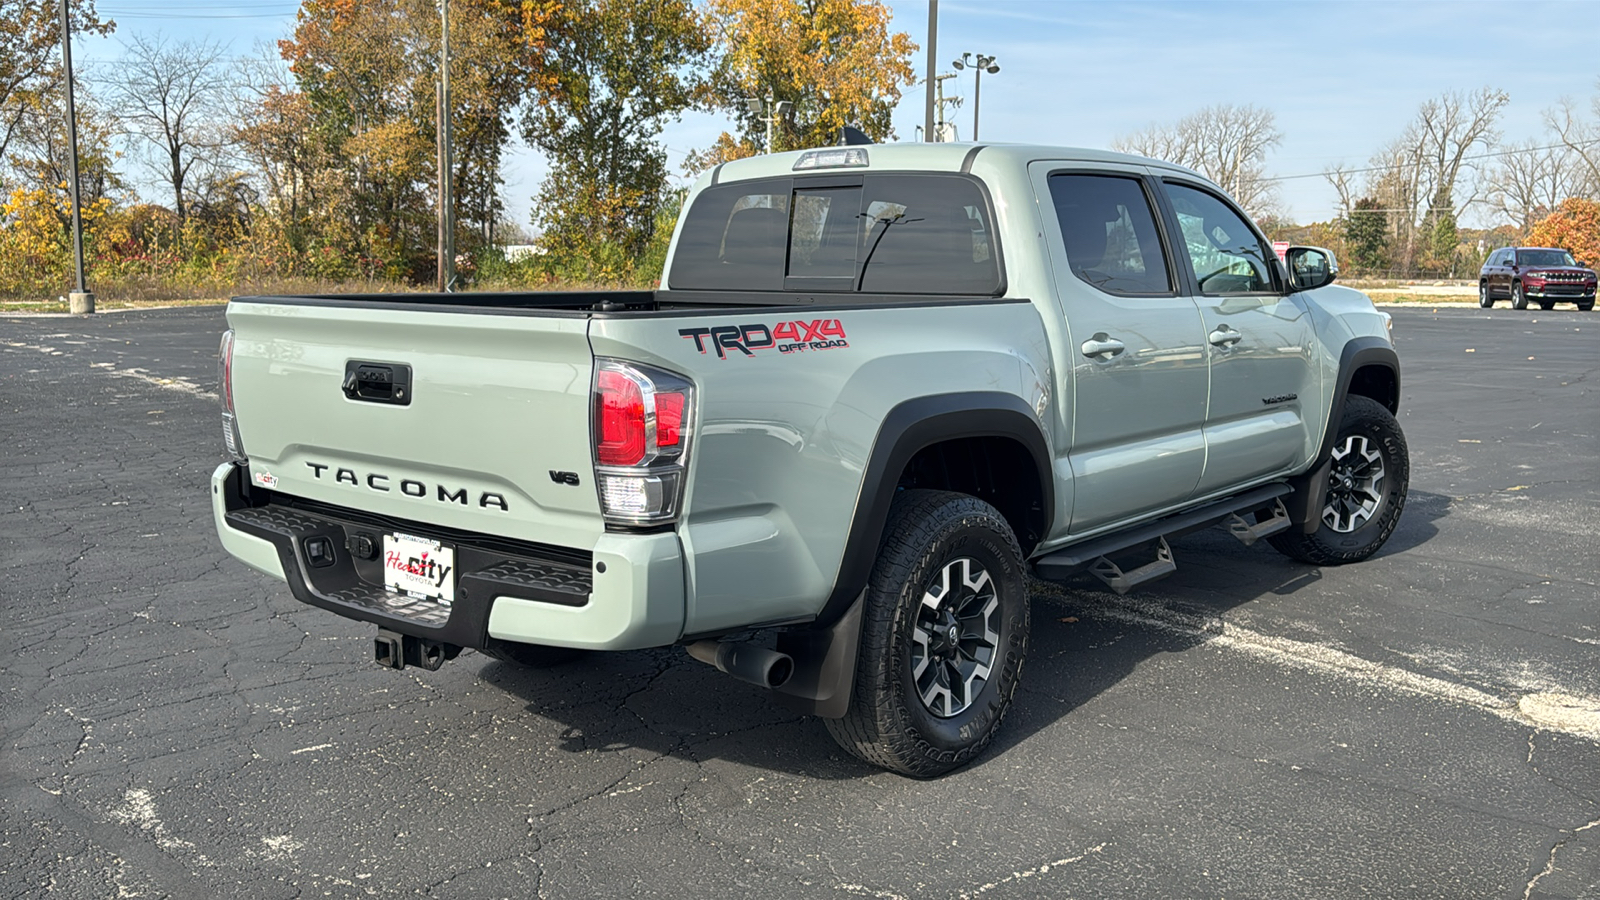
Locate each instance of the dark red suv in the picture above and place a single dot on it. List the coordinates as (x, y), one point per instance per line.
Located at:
(1545, 275)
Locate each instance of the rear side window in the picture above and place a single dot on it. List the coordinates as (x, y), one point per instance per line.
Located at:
(1110, 233)
(733, 239)
(894, 234)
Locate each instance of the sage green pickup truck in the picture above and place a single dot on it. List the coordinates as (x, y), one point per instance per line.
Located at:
(880, 387)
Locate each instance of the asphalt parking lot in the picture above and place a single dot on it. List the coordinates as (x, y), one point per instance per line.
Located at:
(1426, 724)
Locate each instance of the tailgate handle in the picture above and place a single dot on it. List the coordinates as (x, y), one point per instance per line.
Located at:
(377, 382)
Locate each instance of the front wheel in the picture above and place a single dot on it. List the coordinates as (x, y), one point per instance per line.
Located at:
(943, 636)
(1484, 300)
(1367, 485)
(1518, 299)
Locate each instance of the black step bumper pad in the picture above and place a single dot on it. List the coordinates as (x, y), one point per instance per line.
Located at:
(315, 548)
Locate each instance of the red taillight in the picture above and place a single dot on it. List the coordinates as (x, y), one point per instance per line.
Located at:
(642, 422)
(620, 416)
(669, 419)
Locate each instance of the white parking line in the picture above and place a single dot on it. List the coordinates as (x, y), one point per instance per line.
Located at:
(1550, 710)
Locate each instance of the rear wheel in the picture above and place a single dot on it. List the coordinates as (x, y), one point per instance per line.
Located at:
(1518, 300)
(1484, 300)
(1366, 490)
(943, 637)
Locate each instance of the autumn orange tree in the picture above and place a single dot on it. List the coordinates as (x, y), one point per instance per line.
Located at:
(1575, 226)
(30, 56)
(835, 61)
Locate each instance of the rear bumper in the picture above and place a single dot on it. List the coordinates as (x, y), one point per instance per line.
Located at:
(628, 593)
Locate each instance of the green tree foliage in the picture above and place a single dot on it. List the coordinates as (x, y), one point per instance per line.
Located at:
(835, 61)
(1367, 235)
(1443, 243)
(365, 116)
(614, 72)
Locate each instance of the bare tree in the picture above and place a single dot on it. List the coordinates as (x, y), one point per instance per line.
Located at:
(1418, 178)
(170, 97)
(1531, 180)
(1341, 179)
(1450, 128)
(1225, 143)
(1581, 137)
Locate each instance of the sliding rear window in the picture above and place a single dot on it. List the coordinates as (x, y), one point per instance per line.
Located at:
(889, 234)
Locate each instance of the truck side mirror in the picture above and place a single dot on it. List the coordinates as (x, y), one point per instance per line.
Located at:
(1310, 267)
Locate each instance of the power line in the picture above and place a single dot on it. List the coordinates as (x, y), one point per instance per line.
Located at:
(1496, 154)
(195, 15)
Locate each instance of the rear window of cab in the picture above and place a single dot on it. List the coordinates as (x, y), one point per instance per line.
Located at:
(886, 234)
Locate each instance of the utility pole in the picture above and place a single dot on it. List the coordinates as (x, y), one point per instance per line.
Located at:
(79, 301)
(447, 229)
(943, 127)
(928, 132)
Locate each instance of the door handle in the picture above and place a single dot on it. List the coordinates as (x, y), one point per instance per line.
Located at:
(377, 382)
(1225, 336)
(1102, 347)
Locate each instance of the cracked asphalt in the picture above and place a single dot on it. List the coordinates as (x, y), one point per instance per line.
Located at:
(1425, 724)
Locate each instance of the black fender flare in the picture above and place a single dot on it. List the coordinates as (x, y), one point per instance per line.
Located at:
(825, 651)
(1310, 487)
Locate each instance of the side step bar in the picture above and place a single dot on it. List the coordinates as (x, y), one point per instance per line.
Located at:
(1122, 582)
(1093, 555)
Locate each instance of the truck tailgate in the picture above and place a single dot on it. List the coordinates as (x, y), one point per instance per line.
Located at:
(491, 435)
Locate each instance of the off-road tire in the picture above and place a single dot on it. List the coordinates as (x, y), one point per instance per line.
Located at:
(1519, 300)
(1367, 424)
(1484, 300)
(531, 656)
(930, 536)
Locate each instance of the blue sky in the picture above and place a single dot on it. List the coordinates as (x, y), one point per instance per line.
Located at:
(1341, 77)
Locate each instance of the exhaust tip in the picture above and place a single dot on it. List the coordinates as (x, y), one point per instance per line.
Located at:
(748, 663)
(780, 670)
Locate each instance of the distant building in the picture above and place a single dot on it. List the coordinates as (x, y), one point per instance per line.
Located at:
(515, 252)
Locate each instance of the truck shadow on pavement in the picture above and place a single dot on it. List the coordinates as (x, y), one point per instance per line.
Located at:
(660, 704)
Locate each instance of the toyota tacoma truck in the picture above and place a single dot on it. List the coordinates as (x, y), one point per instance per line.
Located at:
(879, 388)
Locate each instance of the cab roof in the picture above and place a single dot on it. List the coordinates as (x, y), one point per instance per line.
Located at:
(929, 157)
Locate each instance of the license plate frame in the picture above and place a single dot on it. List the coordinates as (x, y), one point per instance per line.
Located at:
(419, 567)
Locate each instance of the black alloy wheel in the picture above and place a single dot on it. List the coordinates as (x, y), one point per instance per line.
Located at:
(1368, 477)
(944, 633)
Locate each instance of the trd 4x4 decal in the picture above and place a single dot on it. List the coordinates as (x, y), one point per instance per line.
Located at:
(785, 337)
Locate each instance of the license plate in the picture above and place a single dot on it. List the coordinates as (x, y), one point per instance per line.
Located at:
(419, 567)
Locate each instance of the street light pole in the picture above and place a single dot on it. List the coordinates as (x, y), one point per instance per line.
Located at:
(928, 132)
(79, 301)
(447, 225)
(774, 110)
(979, 66)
